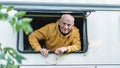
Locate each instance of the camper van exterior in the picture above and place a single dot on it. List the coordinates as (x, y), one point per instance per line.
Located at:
(98, 25)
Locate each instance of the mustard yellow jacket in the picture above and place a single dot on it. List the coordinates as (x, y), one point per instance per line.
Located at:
(54, 39)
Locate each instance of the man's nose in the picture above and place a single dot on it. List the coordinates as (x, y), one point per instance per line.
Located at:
(66, 26)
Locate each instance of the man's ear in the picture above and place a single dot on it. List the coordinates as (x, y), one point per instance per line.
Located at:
(59, 21)
(73, 24)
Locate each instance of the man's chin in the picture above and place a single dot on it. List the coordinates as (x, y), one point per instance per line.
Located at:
(65, 32)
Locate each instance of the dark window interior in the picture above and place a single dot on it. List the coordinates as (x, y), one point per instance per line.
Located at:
(41, 19)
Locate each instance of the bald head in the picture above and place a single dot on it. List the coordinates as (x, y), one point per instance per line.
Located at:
(67, 17)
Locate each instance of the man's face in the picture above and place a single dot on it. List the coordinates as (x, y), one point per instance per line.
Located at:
(66, 25)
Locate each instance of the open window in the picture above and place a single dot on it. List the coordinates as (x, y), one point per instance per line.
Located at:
(42, 18)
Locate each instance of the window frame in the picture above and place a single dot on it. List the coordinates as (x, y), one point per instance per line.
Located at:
(85, 35)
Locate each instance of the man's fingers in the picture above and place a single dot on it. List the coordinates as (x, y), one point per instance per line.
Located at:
(58, 51)
(44, 52)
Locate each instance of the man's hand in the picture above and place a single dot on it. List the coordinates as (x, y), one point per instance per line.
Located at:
(61, 50)
(44, 52)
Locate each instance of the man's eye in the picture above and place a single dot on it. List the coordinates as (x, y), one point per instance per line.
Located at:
(63, 23)
(68, 24)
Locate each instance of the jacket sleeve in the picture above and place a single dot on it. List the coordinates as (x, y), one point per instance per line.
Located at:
(36, 36)
(76, 43)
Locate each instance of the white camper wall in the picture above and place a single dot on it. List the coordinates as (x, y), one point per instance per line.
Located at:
(7, 35)
(103, 51)
(103, 38)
